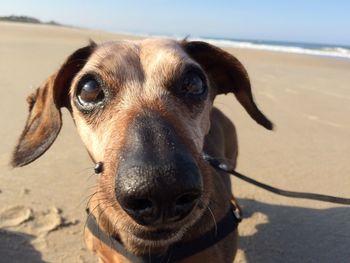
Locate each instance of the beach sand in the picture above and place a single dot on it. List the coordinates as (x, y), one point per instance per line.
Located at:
(42, 206)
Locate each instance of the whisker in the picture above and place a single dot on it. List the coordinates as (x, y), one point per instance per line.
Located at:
(216, 227)
(90, 176)
(88, 197)
(108, 205)
(89, 214)
(83, 170)
(100, 199)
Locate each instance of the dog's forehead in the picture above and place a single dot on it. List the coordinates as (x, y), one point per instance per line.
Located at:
(147, 56)
(119, 59)
(155, 53)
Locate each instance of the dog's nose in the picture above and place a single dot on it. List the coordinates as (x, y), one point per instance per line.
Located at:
(157, 181)
(154, 196)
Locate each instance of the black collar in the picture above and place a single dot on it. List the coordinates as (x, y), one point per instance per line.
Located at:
(177, 251)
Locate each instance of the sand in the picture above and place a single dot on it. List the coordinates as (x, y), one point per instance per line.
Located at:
(308, 98)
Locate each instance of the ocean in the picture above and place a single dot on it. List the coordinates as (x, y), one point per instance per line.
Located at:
(314, 49)
(336, 51)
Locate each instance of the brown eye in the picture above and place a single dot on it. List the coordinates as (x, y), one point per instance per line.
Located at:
(193, 85)
(89, 92)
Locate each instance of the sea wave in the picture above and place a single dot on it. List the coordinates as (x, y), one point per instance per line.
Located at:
(338, 52)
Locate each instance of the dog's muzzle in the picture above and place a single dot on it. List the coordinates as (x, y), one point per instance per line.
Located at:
(158, 181)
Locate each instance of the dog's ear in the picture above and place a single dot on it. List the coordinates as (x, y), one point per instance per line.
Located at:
(227, 74)
(44, 120)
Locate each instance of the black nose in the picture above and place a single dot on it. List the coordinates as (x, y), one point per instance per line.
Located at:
(157, 181)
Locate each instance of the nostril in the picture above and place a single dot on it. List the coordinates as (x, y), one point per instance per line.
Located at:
(186, 199)
(139, 204)
(184, 205)
(142, 210)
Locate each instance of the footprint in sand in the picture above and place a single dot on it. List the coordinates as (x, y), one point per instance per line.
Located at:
(39, 223)
(45, 222)
(15, 216)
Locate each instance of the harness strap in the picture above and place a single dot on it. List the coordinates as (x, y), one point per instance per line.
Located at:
(176, 252)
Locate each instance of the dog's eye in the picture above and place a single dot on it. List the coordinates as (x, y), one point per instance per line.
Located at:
(89, 92)
(193, 85)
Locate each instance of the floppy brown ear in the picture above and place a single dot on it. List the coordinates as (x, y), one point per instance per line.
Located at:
(44, 121)
(227, 74)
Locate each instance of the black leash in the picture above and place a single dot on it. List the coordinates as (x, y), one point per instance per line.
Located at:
(319, 197)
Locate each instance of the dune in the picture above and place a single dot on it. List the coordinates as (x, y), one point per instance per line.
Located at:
(42, 212)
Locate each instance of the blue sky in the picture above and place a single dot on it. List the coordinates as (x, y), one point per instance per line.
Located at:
(322, 21)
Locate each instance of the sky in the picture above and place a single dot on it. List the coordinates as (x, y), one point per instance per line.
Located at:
(321, 21)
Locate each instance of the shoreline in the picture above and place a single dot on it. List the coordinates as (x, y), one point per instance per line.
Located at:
(338, 52)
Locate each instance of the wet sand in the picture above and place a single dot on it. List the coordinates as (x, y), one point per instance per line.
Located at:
(42, 211)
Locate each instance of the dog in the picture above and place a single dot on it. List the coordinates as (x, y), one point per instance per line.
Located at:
(144, 110)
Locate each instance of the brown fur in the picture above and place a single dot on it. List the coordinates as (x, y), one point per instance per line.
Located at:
(142, 75)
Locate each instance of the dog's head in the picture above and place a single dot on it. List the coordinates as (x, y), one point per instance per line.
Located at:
(143, 109)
